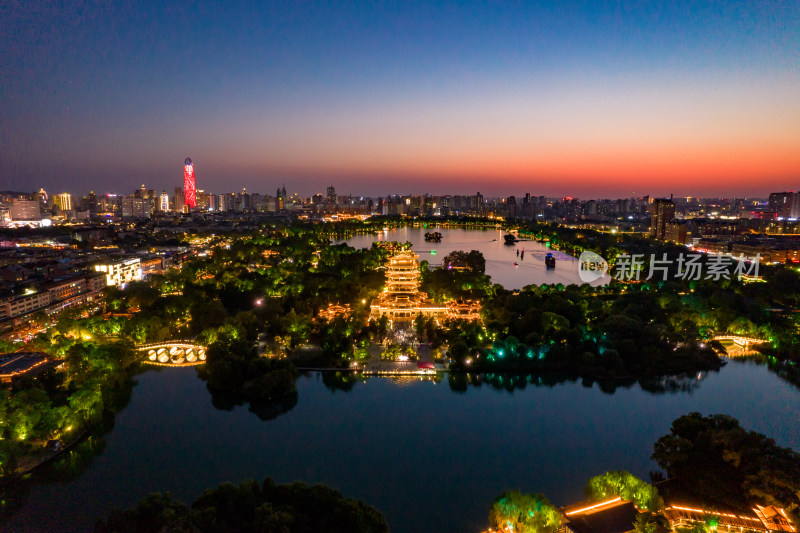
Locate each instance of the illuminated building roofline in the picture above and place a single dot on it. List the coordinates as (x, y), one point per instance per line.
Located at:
(402, 300)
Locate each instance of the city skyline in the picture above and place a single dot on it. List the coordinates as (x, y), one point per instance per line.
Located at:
(423, 265)
(324, 193)
(575, 100)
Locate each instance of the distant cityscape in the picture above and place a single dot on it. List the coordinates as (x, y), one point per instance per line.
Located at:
(41, 208)
(742, 227)
(777, 209)
(86, 256)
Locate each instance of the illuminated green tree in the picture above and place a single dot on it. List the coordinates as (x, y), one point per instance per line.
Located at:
(524, 513)
(297, 327)
(25, 412)
(626, 486)
(650, 523)
(87, 402)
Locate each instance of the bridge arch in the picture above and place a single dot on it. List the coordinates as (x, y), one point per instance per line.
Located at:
(173, 353)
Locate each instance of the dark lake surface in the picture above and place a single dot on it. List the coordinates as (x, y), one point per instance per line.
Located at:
(430, 458)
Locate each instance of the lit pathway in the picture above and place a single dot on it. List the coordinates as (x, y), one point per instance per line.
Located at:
(741, 344)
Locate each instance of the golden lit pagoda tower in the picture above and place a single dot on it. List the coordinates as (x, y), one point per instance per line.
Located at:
(401, 301)
(402, 273)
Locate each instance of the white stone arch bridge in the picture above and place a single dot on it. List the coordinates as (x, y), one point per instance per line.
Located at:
(173, 353)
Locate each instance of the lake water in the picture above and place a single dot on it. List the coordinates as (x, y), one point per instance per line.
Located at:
(500, 258)
(430, 458)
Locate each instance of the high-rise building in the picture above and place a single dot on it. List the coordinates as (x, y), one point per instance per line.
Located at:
(91, 201)
(256, 201)
(133, 207)
(203, 201)
(280, 199)
(43, 198)
(189, 185)
(794, 212)
(477, 203)
(64, 201)
(110, 203)
(243, 201)
(675, 231)
(227, 202)
(24, 209)
(177, 200)
(163, 202)
(331, 195)
(781, 203)
(663, 212)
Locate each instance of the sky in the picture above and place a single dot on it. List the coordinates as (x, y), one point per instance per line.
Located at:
(585, 99)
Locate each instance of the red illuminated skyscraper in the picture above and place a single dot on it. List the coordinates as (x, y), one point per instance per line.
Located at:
(189, 194)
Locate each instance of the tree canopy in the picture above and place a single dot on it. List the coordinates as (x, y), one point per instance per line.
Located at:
(524, 513)
(720, 463)
(269, 508)
(627, 486)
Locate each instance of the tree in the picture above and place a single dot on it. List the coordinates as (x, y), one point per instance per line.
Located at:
(524, 513)
(650, 523)
(472, 261)
(207, 314)
(721, 463)
(293, 508)
(419, 326)
(8, 458)
(383, 327)
(297, 327)
(626, 486)
(156, 512)
(87, 402)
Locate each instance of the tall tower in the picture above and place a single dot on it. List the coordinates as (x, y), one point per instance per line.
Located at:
(189, 188)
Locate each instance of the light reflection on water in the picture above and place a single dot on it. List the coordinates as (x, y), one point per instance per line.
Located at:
(500, 258)
(430, 455)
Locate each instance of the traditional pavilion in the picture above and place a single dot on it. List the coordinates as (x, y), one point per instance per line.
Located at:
(401, 300)
(334, 311)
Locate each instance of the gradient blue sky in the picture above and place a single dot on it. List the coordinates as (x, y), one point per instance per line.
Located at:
(562, 98)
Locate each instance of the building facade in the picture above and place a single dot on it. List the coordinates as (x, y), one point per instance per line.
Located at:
(121, 272)
(663, 212)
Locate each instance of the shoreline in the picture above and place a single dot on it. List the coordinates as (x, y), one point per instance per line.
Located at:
(29, 469)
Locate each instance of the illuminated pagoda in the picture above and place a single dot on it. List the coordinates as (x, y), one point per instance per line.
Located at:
(401, 300)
